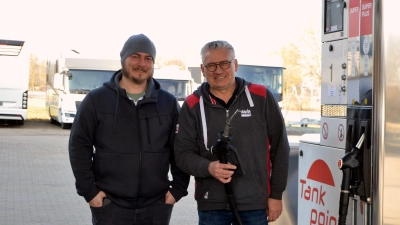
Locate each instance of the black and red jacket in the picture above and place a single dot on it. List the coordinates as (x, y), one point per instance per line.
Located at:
(259, 135)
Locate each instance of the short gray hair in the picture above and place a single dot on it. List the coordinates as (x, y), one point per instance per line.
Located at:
(214, 45)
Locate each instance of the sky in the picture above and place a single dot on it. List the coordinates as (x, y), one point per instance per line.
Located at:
(179, 28)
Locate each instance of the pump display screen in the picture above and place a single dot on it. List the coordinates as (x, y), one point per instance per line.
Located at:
(333, 16)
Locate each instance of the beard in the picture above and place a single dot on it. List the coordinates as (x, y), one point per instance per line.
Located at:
(127, 72)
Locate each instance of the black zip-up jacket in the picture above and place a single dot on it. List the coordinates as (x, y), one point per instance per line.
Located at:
(126, 150)
(258, 134)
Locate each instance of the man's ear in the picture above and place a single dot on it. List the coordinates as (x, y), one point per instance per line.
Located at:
(236, 65)
(202, 69)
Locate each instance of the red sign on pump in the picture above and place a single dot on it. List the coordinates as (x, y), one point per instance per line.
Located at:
(354, 18)
(366, 17)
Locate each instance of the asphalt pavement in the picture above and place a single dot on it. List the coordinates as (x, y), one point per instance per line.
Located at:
(36, 181)
(37, 185)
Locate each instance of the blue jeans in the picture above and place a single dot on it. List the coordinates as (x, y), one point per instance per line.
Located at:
(227, 217)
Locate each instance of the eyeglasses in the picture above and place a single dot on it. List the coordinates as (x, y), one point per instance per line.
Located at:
(213, 66)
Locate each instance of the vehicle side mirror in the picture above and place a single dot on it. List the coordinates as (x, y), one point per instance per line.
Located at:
(68, 74)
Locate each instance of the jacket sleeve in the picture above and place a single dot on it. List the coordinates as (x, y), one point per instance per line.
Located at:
(279, 147)
(180, 180)
(187, 150)
(81, 149)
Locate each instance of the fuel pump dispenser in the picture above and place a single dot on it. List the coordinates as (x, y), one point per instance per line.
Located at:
(346, 114)
(360, 122)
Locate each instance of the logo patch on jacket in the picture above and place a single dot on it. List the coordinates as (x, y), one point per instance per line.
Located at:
(245, 113)
(176, 128)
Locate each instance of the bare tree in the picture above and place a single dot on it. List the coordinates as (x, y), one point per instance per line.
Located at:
(311, 45)
(302, 76)
(292, 77)
(37, 74)
(163, 61)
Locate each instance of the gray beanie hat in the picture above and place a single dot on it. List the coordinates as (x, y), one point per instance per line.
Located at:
(138, 43)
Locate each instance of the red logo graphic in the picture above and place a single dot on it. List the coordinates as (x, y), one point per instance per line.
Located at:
(319, 171)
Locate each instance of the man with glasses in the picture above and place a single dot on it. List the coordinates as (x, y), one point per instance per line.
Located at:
(258, 134)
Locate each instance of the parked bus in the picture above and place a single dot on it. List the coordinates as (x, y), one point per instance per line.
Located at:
(14, 76)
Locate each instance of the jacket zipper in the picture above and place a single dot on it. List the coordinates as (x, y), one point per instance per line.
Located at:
(140, 153)
(148, 134)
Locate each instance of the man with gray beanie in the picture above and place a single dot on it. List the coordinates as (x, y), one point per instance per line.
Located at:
(121, 144)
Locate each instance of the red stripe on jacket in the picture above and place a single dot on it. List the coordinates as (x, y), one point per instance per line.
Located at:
(192, 100)
(258, 89)
(213, 100)
(269, 166)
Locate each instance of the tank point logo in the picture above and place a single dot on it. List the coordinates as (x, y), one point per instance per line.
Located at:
(315, 194)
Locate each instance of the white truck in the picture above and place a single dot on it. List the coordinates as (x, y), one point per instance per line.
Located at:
(14, 75)
(178, 82)
(68, 82)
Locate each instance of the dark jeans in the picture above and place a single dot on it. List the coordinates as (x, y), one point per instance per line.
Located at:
(227, 217)
(158, 213)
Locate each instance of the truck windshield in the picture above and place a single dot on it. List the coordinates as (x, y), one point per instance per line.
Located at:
(179, 88)
(271, 77)
(84, 81)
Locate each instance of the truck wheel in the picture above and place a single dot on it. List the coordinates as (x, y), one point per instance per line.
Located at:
(65, 125)
(52, 121)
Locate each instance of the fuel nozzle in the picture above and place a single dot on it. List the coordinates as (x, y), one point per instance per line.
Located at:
(347, 163)
(227, 153)
(224, 137)
(229, 123)
(349, 160)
